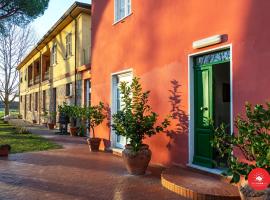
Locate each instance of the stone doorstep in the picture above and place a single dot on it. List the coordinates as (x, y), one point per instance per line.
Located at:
(117, 151)
(198, 185)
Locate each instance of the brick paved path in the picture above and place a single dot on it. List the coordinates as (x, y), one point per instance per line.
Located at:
(74, 173)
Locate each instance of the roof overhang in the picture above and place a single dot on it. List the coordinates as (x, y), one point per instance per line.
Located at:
(67, 17)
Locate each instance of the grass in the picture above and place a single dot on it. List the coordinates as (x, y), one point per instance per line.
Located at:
(12, 112)
(24, 142)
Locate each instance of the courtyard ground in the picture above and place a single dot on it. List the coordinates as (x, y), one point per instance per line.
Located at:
(74, 173)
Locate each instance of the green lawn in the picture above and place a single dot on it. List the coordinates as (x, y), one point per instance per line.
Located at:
(12, 112)
(24, 142)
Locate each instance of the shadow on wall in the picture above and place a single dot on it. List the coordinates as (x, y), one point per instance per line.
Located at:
(177, 144)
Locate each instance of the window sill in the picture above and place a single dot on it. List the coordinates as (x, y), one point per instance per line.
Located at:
(121, 20)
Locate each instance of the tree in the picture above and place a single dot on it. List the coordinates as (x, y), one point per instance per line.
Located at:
(14, 44)
(20, 12)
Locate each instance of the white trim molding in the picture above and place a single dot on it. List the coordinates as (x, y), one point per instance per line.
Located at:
(191, 100)
(114, 77)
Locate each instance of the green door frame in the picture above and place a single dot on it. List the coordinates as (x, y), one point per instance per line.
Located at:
(203, 152)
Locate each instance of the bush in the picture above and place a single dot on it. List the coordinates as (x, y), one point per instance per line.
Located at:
(252, 139)
(136, 120)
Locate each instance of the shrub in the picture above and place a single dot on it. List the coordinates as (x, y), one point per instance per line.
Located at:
(136, 120)
(252, 139)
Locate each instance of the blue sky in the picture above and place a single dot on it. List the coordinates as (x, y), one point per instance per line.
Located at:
(55, 10)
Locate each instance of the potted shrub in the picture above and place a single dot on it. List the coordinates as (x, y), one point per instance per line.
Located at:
(34, 119)
(44, 115)
(73, 112)
(82, 124)
(4, 150)
(51, 120)
(96, 115)
(252, 142)
(135, 121)
(63, 117)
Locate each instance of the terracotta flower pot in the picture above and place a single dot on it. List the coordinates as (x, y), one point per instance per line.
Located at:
(73, 131)
(34, 121)
(4, 150)
(51, 126)
(137, 163)
(247, 193)
(93, 143)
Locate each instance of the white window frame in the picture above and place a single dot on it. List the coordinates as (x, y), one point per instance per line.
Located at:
(68, 45)
(117, 9)
(69, 88)
(114, 83)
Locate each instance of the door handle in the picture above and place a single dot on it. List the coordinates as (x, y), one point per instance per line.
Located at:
(203, 108)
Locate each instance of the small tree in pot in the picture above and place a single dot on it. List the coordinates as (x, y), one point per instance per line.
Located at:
(96, 115)
(51, 120)
(63, 117)
(135, 121)
(44, 115)
(253, 141)
(73, 113)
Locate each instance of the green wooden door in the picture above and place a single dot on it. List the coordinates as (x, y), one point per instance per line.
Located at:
(203, 154)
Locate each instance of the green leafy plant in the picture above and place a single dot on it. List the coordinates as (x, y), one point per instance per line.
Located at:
(96, 115)
(252, 139)
(52, 116)
(136, 120)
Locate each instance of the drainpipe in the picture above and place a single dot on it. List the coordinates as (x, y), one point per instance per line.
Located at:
(40, 80)
(75, 63)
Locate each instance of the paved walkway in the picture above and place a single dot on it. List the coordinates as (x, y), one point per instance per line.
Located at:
(74, 173)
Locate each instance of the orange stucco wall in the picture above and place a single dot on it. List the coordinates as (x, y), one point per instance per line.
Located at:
(155, 42)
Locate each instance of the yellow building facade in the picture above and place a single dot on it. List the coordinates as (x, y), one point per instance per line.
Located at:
(52, 73)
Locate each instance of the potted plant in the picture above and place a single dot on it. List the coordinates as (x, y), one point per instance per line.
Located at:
(135, 121)
(63, 117)
(44, 115)
(73, 113)
(51, 120)
(95, 115)
(82, 123)
(4, 150)
(34, 119)
(252, 143)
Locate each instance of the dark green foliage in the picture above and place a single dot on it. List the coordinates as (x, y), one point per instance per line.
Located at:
(252, 140)
(20, 12)
(136, 119)
(96, 115)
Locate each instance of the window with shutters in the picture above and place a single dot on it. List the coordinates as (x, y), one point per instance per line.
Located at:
(54, 54)
(68, 45)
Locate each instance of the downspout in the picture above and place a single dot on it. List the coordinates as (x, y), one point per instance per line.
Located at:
(40, 80)
(75, 63)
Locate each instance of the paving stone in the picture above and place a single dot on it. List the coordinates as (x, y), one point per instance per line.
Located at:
(74, 173)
